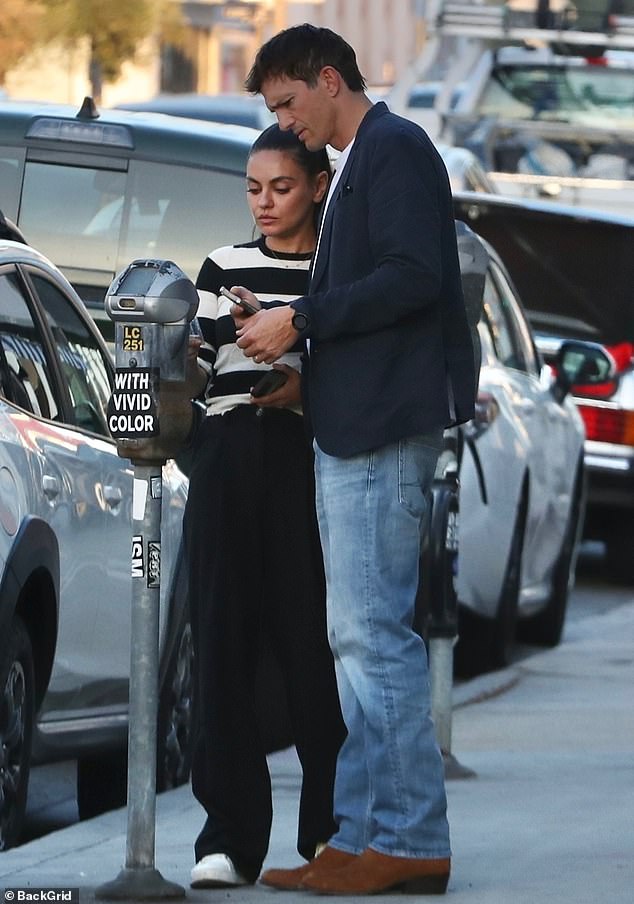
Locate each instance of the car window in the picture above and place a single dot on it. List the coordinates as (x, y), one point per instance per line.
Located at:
(516, 317)
(26, 371)
(81, 358)
(152, 210)
(594, 95)
(59, 208)
(501, 326)
(197, 210)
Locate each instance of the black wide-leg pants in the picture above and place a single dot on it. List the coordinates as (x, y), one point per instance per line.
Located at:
(255, 572)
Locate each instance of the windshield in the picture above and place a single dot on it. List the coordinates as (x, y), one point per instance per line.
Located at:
(587, 95)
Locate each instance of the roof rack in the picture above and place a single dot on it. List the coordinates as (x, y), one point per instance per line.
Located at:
(504, 23)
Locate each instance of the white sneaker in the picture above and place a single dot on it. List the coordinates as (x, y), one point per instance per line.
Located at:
(216, 871)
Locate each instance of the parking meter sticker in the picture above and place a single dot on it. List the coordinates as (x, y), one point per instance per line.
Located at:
(137, 557)
(154, 564)
(139, 498)
(132, 411)
(132, 338)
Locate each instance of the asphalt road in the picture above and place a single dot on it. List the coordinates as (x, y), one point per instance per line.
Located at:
(52, 804)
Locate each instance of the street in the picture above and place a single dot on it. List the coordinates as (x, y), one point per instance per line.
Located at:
(52, 804)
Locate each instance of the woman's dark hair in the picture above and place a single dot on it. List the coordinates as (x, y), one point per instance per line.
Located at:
(300, 53)
(275, 139)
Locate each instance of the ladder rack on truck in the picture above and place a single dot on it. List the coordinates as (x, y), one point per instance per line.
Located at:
(506, 24)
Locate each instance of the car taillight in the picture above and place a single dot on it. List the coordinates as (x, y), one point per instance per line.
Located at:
(608, 425)
(623, 355)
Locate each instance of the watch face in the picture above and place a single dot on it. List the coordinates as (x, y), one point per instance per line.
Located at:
(300, 321)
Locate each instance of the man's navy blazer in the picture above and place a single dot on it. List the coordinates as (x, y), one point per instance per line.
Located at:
(391, 354)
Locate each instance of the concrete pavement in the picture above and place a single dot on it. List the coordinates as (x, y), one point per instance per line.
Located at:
(548, 816)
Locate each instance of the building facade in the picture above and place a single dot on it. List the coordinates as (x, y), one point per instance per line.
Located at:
(221, 39)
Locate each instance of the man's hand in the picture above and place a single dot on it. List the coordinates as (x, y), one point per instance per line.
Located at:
(265, 336)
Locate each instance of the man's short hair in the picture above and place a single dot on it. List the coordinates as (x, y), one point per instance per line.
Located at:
(300, 53)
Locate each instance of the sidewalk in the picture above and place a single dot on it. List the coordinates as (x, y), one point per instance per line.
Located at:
(548, 817)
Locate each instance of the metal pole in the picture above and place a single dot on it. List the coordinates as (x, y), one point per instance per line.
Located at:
(139, 880)
(441, 677)
(443, 609)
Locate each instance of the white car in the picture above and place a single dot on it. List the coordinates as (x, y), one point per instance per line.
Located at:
(522, 485)
(65, 556)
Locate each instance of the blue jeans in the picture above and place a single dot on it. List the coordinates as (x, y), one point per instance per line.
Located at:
(389, 787)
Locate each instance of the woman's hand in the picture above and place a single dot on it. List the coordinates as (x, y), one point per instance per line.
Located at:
(287, 396)
(195, 377)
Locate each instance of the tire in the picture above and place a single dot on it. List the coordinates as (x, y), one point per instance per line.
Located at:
(102, 778)
(17, 706)
(545, 628)
(485, 645)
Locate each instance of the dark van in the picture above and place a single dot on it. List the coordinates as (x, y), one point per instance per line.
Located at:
(94, 190)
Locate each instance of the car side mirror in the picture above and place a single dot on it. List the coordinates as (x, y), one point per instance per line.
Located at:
(581, 363)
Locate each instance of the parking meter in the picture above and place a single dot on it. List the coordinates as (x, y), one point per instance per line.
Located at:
(152, 303)
(438, 603)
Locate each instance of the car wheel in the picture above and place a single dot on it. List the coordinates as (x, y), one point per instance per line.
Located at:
(485, 644)
(17, 684)
(102, 778)
(545, 628)
(175, 717)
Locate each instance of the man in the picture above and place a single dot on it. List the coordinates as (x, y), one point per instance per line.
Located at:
(390, 365)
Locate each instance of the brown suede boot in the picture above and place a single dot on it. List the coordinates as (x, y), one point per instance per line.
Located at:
(373, 873)
(327, 862)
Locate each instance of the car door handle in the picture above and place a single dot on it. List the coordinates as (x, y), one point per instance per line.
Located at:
(112, 495)
(50, 486)
(527, 406)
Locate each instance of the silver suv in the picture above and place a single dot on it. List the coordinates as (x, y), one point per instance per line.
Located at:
(65, 547)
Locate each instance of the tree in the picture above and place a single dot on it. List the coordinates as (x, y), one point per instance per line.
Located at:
(20, 24)
(114, 29)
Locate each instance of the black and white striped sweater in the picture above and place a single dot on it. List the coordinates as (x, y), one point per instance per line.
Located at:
(271, 276)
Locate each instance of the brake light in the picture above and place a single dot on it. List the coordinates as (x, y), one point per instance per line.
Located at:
(608, 425)
(623, 355)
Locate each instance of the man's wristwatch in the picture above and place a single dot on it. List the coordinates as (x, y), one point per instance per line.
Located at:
(300, 321)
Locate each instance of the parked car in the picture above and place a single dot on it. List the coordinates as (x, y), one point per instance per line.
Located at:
(65, 552)
(228, 107)
(574, 270)
(522, 487)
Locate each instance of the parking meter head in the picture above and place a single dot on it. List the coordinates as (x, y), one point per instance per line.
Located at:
(152, 303)
(152, 291)
(474, 260)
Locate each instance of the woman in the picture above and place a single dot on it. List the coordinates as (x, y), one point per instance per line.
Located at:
(255, 564)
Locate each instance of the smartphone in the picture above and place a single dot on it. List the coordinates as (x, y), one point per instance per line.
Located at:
(271, 381)
(246, 306)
